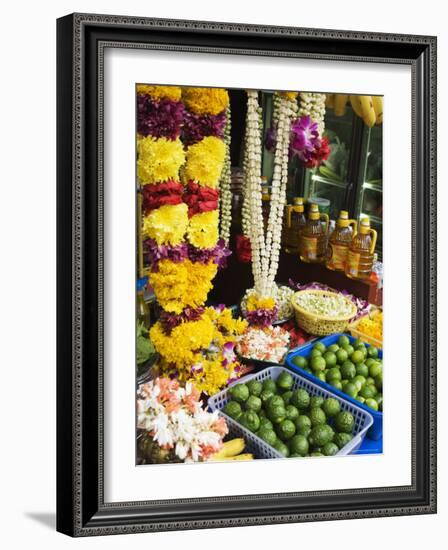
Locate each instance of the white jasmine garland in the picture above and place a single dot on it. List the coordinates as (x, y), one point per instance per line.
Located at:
(266, 247)
(225, 199)
(313, 105)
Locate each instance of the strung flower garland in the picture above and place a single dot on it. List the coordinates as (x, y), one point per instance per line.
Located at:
(225, 203)
(266, 248)
(313, 105)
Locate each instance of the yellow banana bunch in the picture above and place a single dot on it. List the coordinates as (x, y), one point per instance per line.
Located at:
(363, 107)
(377, 101)
(232, 450)
(340, 101)
(329, 101)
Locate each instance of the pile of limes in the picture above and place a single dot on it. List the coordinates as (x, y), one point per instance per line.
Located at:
(354, 369)
(292, 421)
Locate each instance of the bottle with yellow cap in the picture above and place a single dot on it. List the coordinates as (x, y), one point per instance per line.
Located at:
(340, 241)
(361, 251)
(313, 237)
(295, 220)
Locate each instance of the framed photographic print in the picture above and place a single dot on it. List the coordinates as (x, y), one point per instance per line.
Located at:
(246, 274)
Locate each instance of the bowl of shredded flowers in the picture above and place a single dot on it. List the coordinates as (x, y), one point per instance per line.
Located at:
(321, 312)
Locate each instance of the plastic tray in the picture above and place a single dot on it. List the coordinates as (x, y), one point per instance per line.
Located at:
(376, 431)
(363, 419)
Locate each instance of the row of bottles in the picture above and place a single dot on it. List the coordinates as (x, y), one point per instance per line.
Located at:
(349, 248)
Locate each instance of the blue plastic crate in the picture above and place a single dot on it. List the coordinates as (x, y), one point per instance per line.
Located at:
(376, 431)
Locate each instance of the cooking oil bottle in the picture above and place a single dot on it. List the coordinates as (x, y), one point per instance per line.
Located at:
(361, 251)
(340, 241)
(294, 222)
(313, 237)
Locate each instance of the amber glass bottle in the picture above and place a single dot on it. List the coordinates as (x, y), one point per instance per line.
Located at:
(340, 241)
(294, 222)
(361, 251)
(313, 237)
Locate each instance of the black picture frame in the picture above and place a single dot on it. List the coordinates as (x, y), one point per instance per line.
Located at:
(81, 40)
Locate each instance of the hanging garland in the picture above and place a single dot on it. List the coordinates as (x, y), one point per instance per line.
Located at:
(180, 164)
(225, 202)
(266, 246)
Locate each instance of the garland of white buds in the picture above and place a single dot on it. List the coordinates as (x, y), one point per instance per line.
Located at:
(225, 199)
(266, 248)
(313, 105)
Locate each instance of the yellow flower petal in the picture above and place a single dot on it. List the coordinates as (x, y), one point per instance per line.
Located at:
(159, 159)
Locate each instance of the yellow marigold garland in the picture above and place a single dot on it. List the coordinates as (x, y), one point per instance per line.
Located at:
(258, 302)
(181, 345)
(160, 92)
(205, 101)
(159, 159)
(183, 284)
(203, 230)
(204, 161)
(167, 224)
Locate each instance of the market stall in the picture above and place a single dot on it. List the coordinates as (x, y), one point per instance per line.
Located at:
(259, 293)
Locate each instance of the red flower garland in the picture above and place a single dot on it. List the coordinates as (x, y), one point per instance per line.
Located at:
(200, 199)
(159, 194)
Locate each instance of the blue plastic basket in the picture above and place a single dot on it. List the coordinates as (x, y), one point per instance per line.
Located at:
(260, 449)
(376, 431)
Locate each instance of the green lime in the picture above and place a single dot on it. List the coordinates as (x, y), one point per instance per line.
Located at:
(299, 445)
(321, 376)
(250, 420)
(275, 401)
(344, 422)
(267, 435)
(343, 340)
(253, 403)
(369, 361)
(334, 348)
(315, 353)
(317, 416)
(341, 356)
(281, 448)
(239, 392)
(269, 385)
(360, 399)
(363, 350)
(285, 381)
(370, 381)
(300, 399)
(357, 357)
(286, 429)
(362, 369)
(320, 346)
(357, 342)
(287, 397)
(372, 351)
(265, 395)
(348, 370)
(292, 413)
(255, 387)
(367, 391)
(333, 374)
(344, 382)
(375, 370)
(232, 409)
(277, 414)
(341, 439)
(316, 453)
(303, 424)
(300, 361)
(351, 389)
(336, 384)
(330, 449)
(266, 423)
(349, 349)
(320, 435)
(316, 401)
(370, 402)
(379, 400)
(330, 358)
(359, 380)
(318, 364)
(331, 407)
